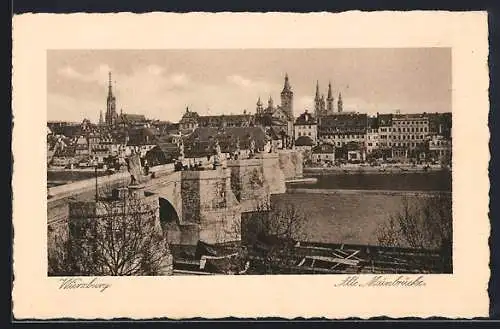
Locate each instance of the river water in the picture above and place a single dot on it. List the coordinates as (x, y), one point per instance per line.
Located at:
(431, 181)
(336, 214)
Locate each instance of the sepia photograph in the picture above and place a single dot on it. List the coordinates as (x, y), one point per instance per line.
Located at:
(249, 162)
(250, 165)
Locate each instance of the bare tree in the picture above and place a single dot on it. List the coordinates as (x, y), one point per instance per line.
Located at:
(272, 232)
(426, 225)
(115, 237)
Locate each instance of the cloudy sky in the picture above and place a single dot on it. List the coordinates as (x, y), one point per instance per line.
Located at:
(161, 83)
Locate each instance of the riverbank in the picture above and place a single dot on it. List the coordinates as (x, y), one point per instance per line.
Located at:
(307, 180)
(364, 192)
(371, 170)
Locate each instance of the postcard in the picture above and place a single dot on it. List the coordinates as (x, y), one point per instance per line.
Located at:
(211, 165)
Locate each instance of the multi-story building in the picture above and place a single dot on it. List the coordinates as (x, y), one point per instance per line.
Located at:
(408, 135)
(384, 129)
(306, 125)
(342, 128)
(440, 149)
(372, 136)
(323, 153)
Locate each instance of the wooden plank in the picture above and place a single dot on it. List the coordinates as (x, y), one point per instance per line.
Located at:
(334, 260)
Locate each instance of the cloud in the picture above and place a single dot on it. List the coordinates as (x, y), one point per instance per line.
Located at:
(69, 72)
(180, 80)
(67, 108)
(154, 69)
(155, 92)
(303, 103)
(239, 81)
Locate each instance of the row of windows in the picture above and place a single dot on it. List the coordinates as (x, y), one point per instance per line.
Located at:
(407, 144)
(412, 129)
(304, 134)
(401, 136)
(440, 143)
(303, 127)
(410, 122)
(344, 136)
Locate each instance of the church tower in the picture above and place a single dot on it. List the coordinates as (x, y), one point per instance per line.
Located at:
(329, 100)
(100, 118)
(110, 105)
(317, 102)
(323, 105)
(339, 103)
(270, 103)
(260, 108)
(287, 98)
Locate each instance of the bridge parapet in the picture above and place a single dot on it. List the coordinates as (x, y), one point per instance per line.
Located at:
(248, 183)
(291, 163)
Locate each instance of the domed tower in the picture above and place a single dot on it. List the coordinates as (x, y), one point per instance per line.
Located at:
(287, 98)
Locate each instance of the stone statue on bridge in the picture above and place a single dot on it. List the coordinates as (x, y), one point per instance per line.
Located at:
(252, 147)
(237, 151)
(268, 148)
(218, 154)
(181, 151)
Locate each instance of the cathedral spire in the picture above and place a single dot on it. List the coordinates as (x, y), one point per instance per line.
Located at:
(111, 115)
(317, 89)
(110, 87)
(259, 106)
(329, 99)
(270, 102)
(340, 103)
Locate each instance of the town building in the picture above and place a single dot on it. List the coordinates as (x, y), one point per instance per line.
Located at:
(440, 149)
(372, 136)
(408, 135)
(165, 151)
(323, 153)
(201, 142)
(306, 125)
(342, 128)
(355, 152)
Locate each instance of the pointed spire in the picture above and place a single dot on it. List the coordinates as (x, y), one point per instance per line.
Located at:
(330, 90)
(340, 103)
(110, 87)
(286, 87)
(270, 102)
(317, 89)
(259, 102)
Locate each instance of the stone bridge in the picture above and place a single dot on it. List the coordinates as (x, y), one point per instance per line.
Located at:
(193, 205)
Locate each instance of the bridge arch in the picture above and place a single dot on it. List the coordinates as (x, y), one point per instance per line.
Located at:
(168, 214)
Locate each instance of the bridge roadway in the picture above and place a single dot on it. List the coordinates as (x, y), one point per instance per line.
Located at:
(198, 198)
